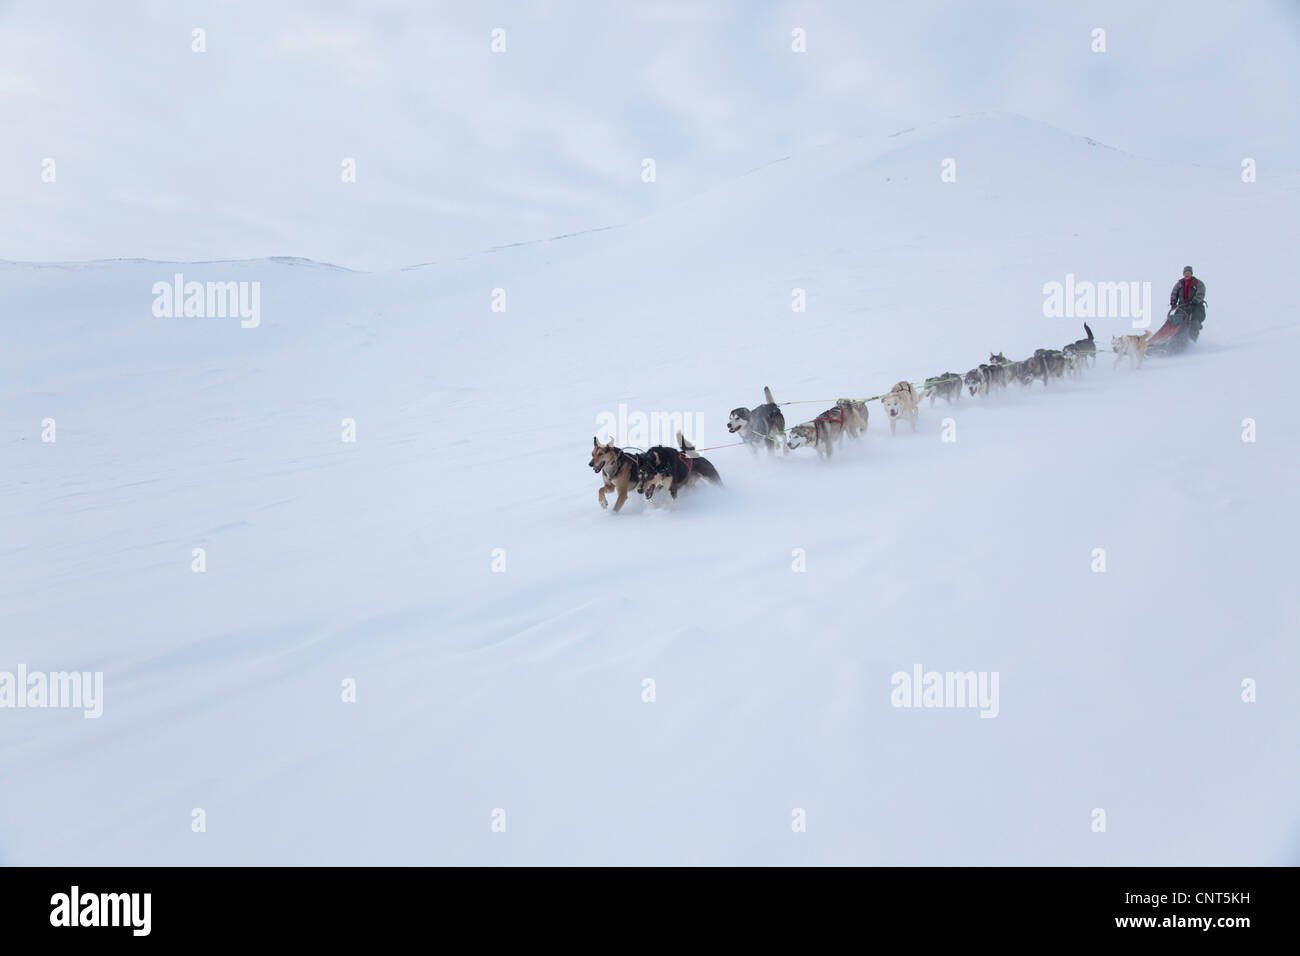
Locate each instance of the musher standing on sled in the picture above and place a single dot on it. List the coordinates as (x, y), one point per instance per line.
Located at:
(1188, 296)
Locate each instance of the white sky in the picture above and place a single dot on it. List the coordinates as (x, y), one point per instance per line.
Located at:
(165, 153)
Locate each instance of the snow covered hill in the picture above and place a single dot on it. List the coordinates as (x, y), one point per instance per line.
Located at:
(518, 696)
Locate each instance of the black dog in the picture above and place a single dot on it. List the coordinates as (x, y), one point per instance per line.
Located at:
(674, 469)
(1087, 348)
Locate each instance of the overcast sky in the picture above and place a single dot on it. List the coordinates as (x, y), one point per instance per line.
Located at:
(237, 152)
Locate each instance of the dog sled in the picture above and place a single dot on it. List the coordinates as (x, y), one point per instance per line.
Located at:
(1178, 332)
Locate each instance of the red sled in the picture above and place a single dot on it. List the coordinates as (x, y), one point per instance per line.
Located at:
(1176, 334)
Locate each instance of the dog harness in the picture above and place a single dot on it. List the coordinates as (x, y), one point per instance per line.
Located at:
(829, 419)
(623, 457)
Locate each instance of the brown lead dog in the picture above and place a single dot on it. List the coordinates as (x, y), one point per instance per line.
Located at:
(619, 469)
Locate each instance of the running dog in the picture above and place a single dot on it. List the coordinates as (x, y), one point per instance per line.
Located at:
(1075, 361)
(762, 425)
(1134, 346)
(946, 386)
(1019, 372)
(827, 429)
(996, 370)
(977, 382)
(675, 469)
(1035, 367)
(1086, 348)
(1053, 363)
(619, 470)
(900, 403)
(855, 415)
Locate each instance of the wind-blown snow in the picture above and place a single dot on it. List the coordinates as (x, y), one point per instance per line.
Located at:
(522, 690)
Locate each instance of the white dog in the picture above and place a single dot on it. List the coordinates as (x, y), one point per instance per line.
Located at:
(900, 403)
(1134, 346)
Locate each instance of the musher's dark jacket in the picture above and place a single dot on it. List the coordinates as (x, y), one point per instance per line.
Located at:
(1197, 297)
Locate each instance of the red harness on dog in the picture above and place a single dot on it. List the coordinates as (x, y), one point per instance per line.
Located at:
(829, 418)
(686, 461)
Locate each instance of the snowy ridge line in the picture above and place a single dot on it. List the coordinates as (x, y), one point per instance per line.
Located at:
(71, 264)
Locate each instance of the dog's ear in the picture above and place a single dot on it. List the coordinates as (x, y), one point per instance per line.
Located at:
(595, 441)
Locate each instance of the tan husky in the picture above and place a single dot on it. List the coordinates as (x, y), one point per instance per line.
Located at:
(900, 403)
(618, 469)
(1134, 346)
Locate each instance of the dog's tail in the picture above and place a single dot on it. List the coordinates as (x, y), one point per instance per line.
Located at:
(1089, 331)
(767, 394)
(707, 471)
(687, 448)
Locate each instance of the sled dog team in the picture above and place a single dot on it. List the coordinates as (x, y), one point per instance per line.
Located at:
(646, 472)
(673, 469)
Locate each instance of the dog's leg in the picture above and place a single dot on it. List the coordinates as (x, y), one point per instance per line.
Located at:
(622, 497)
(601, 495)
